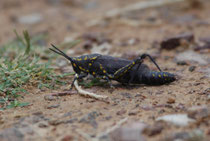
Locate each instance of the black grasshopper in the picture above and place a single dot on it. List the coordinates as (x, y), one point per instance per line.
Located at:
(112, 68)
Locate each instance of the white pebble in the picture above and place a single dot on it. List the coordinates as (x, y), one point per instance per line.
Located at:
(30, 19)
(176, 119)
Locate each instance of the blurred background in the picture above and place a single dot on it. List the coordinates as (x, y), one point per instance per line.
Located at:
(176, 33)
(65, 19)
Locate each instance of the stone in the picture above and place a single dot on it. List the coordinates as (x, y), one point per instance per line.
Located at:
(192, 57)
(11, 134)
(199, 112)
(121, 112)
(181, 63)
(129, 132)
(192, 68)
(133, 112)
(30, 19)
(206, 71)
(171, 100)
(194, 135)
(175, 41)
(50, 98)
(90, 119)
(67, 138)
(126, 95)
(176, 119)
(53, 106)
(155, 129)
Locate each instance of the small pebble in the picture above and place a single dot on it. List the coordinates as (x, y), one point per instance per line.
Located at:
(133, 112)
(67, 138)
(192, 68)
(181, 63)
(53, 106)
(121, 112)
(50, 98)
(199, 112)
(55, 122)
(129, 132)
(171, 100)
(108, 117)
(126, 95)
(43, 125)
(31, 19)
(208, 97)
(71, 120)
(11, 134)
(175, 41)
(195, 135)
(206, 91)
(155, 129)
(192, 57)
(176, 119)
(91, 100)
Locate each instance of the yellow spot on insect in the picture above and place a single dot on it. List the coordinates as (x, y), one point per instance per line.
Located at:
(101, 67)
(85, 58)
(153, 75)
(93, 58)
(87, 70)
(110, 76)
(74, 65)
(164, 75)
(133, 63)
(93, 73)
(104, 71)
(80, 68)
(90, 64)
(159, 75)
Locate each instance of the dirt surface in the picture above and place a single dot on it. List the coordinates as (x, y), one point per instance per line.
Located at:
(141, 31)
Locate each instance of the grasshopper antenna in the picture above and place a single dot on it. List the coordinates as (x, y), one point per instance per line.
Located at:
(58, 51)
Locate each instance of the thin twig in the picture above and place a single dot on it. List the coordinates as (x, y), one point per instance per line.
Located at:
(139, 6)
(62, 93)
(85, 135)
(82, 92)
(89, 94)
(109, 130)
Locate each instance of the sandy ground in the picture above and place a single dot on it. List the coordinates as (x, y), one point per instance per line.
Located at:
(61, 117)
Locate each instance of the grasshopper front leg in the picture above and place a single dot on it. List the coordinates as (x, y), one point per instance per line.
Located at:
(103, 73)
(76, 77)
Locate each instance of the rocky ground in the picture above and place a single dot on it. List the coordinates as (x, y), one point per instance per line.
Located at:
(176, 35)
